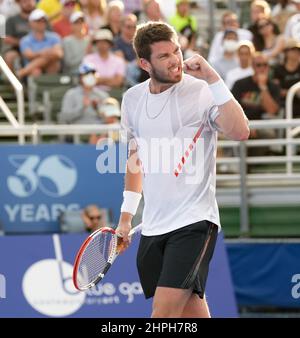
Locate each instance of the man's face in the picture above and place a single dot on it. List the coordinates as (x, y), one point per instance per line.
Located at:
(183, 8)
(27, 6)
(39, 25)
(230, 22)
(260, 65)
(103, 46)
(166, 62)
(129, 28)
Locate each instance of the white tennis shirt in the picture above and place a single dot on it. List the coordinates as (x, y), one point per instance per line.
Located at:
(163, 127)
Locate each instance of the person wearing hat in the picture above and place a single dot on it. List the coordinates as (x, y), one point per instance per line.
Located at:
(110, 67)
(41, 50)
(81, 104)
(63, 26)
(76, 44)
(185, 23)
(287, 74)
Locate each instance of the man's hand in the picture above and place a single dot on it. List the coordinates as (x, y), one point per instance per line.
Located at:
(198, 67)
(122, 232)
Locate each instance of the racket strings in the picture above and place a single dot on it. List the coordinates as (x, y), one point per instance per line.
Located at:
(95, 258)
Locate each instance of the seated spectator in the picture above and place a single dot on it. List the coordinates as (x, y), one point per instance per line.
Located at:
(16, 28)
(244, 52)
(110, 68)
(287, 74)
(185, 23)
(229, 60)
(63, 25)
(95, 14)
(272, 43)
(292, 28)
(123, 43)
(114, 13)
(81, 105)
(41, 50)
(93, 218)
(229, 22)
(75, 45)
(259, 98)
(151, 11)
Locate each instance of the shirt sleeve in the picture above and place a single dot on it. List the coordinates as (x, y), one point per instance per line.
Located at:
(127, 135)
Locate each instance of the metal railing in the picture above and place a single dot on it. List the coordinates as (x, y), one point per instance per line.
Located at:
(20, 100)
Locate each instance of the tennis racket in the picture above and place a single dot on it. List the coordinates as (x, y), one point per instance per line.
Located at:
(95, 257)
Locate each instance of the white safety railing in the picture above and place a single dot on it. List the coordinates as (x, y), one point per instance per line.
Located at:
(20, 100)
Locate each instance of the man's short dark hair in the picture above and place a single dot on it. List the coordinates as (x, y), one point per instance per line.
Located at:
(149, 33)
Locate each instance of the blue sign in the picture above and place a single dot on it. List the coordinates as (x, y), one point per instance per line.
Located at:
(38, 182)
(38, 275)
(266, 274)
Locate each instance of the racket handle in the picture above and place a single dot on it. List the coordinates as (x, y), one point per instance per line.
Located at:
(135, 229)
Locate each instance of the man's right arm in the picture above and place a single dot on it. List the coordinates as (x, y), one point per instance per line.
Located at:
(133, 183)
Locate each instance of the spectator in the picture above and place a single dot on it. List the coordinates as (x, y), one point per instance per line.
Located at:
(110, 68)
(17, 27)
(76, 44)
(292, 28)
(40, 49)
(273, 44)
(94, 15)
(81, 105)
(259, 98)
(259, 9)
(229, 59)
(63, 25)
(185, 23)
(244, 52)
(123, 43)
(93, 218)
(152, 12)
(114, 15)
(229, 22)
(288, 74)
(256, 93)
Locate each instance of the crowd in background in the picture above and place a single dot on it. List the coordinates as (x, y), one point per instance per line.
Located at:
(259, 59)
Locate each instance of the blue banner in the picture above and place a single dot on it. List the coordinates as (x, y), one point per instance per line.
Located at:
(266, 274)
(38, 182)
(36, 281)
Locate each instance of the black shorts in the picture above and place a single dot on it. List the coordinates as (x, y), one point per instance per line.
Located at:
(178, 259)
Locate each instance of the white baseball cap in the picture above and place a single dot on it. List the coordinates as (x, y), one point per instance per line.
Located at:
(37, 14)
(75, 16)
(103, 34)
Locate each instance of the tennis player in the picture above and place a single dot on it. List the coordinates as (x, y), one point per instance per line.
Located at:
(180, 218)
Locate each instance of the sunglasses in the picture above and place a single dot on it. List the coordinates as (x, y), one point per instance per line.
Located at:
(92, 218)
(261, 64)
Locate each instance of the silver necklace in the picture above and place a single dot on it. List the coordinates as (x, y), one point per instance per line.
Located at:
(163, 107)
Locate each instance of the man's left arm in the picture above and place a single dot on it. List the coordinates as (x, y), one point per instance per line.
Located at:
(231, 119)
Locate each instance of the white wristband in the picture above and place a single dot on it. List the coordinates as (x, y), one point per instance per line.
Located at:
(221, 93)
(131, 202)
